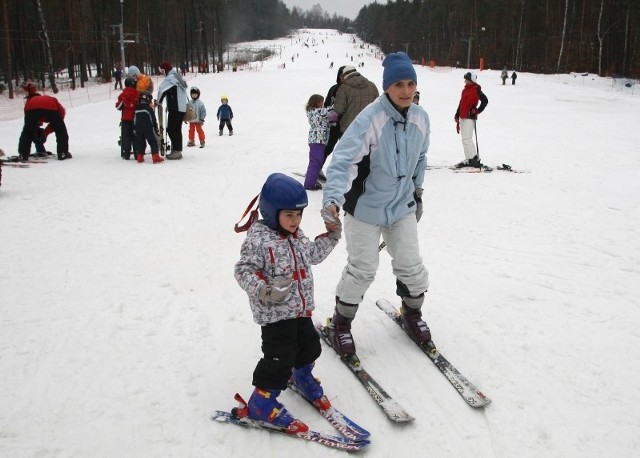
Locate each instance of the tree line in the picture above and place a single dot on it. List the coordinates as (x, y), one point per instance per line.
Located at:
(541, 36)
(82, 40)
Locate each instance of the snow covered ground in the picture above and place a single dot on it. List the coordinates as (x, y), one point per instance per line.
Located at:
(122, 327)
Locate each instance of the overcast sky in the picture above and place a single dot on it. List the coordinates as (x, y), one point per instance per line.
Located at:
(346, 8)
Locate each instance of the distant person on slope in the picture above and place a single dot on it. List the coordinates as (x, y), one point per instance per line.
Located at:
(37, 110)
(127, 103)
(174, 89)
(318, 117)
(355, 93)
(144, 83)
(334, 127)
(146, 129)
(225, 115)
(376, 176)
(275, 271)
(466, 116)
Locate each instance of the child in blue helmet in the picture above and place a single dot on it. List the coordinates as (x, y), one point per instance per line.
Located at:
(275, 271)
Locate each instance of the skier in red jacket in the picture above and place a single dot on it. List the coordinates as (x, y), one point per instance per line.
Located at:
(465, 117)
(127, 103)
(38, 109)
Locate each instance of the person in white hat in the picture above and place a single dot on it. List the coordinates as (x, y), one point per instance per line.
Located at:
(466, 116)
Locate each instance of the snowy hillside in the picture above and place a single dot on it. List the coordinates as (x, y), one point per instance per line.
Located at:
(122, 327)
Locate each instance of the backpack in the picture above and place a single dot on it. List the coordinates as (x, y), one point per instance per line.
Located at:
(190, 114)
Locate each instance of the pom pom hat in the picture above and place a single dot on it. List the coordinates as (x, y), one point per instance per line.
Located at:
(471, 77)
(397, 67)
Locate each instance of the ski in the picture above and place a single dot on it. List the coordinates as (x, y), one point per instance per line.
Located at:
(17, 165)
(467, 390)
(16, 160)
(321, 179)
(389, 406)
(337, 419)
(483, 169)
(162, 140)
(234, 417)
(508, 168)
(44, 155)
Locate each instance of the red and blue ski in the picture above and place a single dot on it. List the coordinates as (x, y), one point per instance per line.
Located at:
(237, 417)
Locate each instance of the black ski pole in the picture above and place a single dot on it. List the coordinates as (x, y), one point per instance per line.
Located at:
(475, 130)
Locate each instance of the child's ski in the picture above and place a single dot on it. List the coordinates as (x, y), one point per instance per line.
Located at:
(338, 420)
(235, 417)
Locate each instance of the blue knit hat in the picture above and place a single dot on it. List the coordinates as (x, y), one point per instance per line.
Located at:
(397, 67)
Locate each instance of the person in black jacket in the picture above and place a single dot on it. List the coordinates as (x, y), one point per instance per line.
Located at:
(146, 128)
(174, 89)
(334, 128)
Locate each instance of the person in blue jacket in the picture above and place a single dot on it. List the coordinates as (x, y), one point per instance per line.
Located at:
(225, 115)
(376, 177)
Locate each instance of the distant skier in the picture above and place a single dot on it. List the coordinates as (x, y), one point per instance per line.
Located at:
(225, 115)
(38, 109)
(465, 117)
(146, 127)
(196, 124)
(127, 103)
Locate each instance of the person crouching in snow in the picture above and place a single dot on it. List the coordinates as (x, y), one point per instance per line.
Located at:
(146, 127)
(275, 271)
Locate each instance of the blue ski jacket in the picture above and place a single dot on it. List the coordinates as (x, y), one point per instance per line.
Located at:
(379, 162)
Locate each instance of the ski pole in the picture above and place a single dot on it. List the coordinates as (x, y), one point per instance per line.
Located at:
(475, 130)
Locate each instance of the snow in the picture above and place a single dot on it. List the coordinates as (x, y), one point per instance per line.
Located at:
(122, 327)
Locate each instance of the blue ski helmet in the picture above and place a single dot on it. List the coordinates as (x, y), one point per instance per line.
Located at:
(280, 192)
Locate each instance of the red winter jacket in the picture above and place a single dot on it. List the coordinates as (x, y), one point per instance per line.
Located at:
(471, 95)
(127, 102)
(44, 102)
(468, 100)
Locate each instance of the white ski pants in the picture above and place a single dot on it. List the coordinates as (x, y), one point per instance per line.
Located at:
(363, 256)
(467, 128)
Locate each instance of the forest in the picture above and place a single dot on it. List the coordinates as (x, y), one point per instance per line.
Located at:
(540, 36)
(85, 40)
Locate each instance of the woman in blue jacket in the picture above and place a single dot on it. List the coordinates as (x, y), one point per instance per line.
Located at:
(376, 176)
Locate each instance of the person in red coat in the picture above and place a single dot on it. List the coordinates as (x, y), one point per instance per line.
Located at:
(127, 103)
(466, 116)
(38, 109)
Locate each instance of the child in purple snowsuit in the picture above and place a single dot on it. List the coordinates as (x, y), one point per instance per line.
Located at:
(319, 119)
